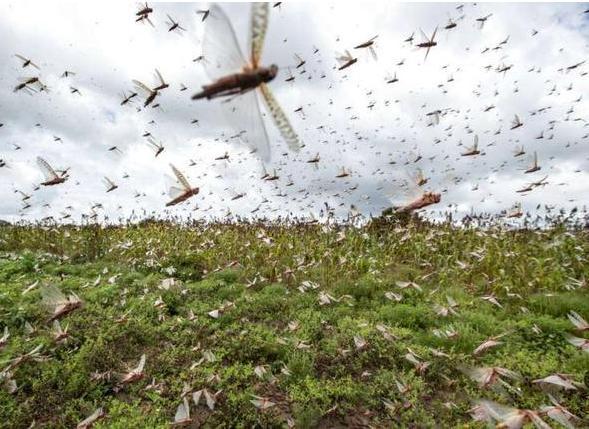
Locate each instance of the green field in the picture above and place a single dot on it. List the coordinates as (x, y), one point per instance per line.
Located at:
(316, 320)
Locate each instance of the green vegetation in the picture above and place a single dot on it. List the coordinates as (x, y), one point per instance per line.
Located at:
(298, 301)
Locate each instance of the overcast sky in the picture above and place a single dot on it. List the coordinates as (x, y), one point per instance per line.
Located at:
(353, 118)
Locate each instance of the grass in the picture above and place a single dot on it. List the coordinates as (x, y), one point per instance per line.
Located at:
(254, 272)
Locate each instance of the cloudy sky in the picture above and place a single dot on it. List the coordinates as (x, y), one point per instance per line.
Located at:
(352, 118)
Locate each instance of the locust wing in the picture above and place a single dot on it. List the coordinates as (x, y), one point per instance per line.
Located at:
(280, 119)
(159, 77)
(397, 192)
(88, 421)
(344, 58)
(515, 121)
(170, 20)
(47, 170)
(244, 112)
(258, 27)
(174, 190)
(109, 183)
(182, 412)
(141, 365)
(154, 144)
(142, 88)
(220, 47)
(420, 178)
(52, 296)
(424, 38)
(181, 178)
(408, 185)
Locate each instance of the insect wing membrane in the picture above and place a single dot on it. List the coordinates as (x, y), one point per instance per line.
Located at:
(280, 119)
(411, 179)
(182, 412)
(425, 39)
(220, 48)
(52, 296)
(141, 365)
(48, 172)
(259, 25)
(173, 190)
(243, 112)
(142, 88)
(159, 76)
(180, 178)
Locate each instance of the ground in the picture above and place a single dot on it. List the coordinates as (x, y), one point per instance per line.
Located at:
(317, 320)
